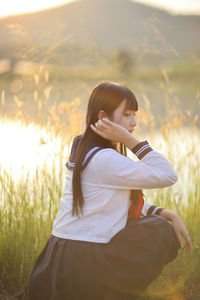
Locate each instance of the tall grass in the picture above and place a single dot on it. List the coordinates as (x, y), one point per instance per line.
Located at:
(29, 207)
(29, 203)
(27, 212)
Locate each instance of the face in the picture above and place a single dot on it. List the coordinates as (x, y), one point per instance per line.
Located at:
(124, 117)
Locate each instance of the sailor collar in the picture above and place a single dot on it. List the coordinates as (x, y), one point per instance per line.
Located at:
(91, 152)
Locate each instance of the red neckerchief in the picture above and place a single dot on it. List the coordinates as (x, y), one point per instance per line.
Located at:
(136, 206)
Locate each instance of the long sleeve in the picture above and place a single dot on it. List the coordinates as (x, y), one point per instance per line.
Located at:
(150, 209)
(114, 170)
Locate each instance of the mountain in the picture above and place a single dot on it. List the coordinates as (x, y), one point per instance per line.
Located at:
(105, 25)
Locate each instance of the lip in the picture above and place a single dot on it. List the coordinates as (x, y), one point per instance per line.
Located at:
(131, 130)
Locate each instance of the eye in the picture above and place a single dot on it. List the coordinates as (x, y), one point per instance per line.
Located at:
(130, 114)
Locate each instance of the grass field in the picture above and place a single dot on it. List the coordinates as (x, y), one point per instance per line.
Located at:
(30, 199)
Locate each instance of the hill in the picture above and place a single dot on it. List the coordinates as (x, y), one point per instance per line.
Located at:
(102, 25)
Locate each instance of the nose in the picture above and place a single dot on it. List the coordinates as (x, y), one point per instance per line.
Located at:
(133, 121)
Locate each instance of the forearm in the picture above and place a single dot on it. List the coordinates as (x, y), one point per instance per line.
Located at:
(179, 229)
(168, 214)
(129, 140)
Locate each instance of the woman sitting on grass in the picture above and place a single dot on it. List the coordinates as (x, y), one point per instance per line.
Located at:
(107, 243)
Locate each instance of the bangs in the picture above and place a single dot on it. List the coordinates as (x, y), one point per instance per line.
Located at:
(116, 93)
(131, 101)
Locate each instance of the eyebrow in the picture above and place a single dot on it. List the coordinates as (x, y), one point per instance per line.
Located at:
(128, 109)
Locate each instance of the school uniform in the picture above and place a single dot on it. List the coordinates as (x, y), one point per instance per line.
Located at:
(105, 253)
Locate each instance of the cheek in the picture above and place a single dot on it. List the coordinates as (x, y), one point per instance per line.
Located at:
(123, 122)
(117, 119)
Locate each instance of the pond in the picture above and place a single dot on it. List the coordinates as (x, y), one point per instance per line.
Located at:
(26, 149)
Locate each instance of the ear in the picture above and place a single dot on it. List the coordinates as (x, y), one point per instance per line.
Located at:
(101, 114)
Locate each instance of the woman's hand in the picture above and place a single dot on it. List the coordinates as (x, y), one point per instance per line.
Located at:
(114, 132)
(109, 130)
(179, 229)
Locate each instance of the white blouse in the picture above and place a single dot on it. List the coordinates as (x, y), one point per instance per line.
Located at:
(106, 184)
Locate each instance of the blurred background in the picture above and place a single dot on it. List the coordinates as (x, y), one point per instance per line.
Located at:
(52, 54)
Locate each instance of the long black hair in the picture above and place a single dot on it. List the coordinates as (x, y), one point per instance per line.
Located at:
(106, 96)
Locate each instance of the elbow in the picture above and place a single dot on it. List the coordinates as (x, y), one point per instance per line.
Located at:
(174, 178)
(171, 179)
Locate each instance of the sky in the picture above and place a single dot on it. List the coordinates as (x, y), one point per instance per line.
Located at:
(175, 6)
(10, 7)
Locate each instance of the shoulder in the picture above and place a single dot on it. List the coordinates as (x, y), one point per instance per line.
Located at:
(106, 152)
(108, 156)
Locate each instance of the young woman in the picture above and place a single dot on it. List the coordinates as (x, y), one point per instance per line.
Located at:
(107, 243)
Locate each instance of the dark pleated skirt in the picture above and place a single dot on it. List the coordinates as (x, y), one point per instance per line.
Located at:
(75, 270)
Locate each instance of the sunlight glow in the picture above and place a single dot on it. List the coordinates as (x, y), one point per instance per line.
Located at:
(178, 6)
(27, 149)
(11, 7)
(24, 149)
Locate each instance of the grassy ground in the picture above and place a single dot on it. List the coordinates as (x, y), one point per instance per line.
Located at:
(29, 207)
(29, 204)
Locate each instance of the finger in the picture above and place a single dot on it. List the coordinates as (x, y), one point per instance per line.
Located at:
(187, 247)
(101, 124)
(107, 121)
(188, 244)
(93, 127)
(187, 238)
(180, 240)
(96, 130)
